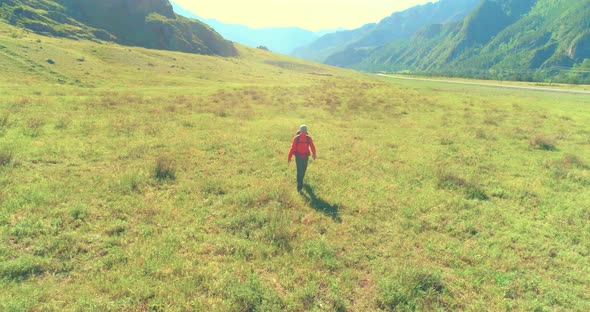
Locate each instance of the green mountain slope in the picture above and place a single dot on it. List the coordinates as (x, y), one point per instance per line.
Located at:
(146, 23)
(531, 40)
(348, 47)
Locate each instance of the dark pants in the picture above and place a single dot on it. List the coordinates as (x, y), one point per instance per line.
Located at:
(301, 168)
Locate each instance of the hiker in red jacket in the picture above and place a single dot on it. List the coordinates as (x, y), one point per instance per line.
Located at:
(302, 143)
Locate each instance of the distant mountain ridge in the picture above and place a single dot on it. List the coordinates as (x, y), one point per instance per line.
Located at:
(147, 23)
(282, 40)
(329, 44)
(347, 47)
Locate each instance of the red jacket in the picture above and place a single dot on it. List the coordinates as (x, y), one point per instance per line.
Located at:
(302, 147)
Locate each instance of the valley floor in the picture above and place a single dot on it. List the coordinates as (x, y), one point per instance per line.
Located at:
(134, 179)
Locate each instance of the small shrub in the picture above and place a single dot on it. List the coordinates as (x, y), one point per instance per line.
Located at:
(183, 100)
(188, 124)
(450, 181)
(221, 112)
(5, 157)
(483, 135)
(214, 187)
(572, 161)
(88, 127)
(165, 169)
(278, 231)
(244, 199)
(428, 282)
(319, 250)
(4, 121)
(25, 230)
(392, 297)
(251, 295)
(17, 34)
(471, 230)
(115, 256)
(247, 226)
(282, 196)
(130, 183)
(124, 126)
(543, 143)
(307, 295)
(151, 130)
(446, 141)
(564, 167)
(21, 102)
(530, 199)
(490, 121)
(63, 123)
(79, 212)
(118, 228)
(106, 100)
(408, 291)
(475, 192)
(22, 268)
(34, 126)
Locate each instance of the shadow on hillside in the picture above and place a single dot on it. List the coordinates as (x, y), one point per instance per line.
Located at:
(321, 205)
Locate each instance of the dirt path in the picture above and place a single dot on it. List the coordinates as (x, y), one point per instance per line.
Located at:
(491, 85)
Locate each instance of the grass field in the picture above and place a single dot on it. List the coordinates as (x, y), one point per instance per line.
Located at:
(134, 179)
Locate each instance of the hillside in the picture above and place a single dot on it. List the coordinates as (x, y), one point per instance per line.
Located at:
(348, 47)
(329, 44)
(519, 40)
(135, 179)
(147, 23)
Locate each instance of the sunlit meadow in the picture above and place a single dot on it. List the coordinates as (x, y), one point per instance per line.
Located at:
(134, 179)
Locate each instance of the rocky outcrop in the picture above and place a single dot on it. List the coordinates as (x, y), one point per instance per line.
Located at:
(146, 23)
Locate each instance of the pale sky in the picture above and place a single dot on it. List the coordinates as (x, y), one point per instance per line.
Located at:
(308, 14)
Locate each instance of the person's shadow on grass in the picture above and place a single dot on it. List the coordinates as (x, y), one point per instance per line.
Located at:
(321, 205)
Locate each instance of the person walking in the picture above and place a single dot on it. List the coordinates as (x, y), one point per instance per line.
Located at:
(302, 144)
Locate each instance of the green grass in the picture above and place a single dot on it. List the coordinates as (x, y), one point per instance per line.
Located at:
(130, 186)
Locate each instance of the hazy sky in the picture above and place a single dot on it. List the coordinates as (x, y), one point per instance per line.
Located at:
(307, 14)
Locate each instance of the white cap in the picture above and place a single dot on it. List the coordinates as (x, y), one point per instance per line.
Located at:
(303, 128)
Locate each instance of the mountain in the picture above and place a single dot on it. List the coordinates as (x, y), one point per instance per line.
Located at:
(282, 40)
(533, 40)
(348, 47)
(146, 23)
(322, 48)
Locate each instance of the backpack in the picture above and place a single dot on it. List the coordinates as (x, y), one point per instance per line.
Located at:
(299, 138)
